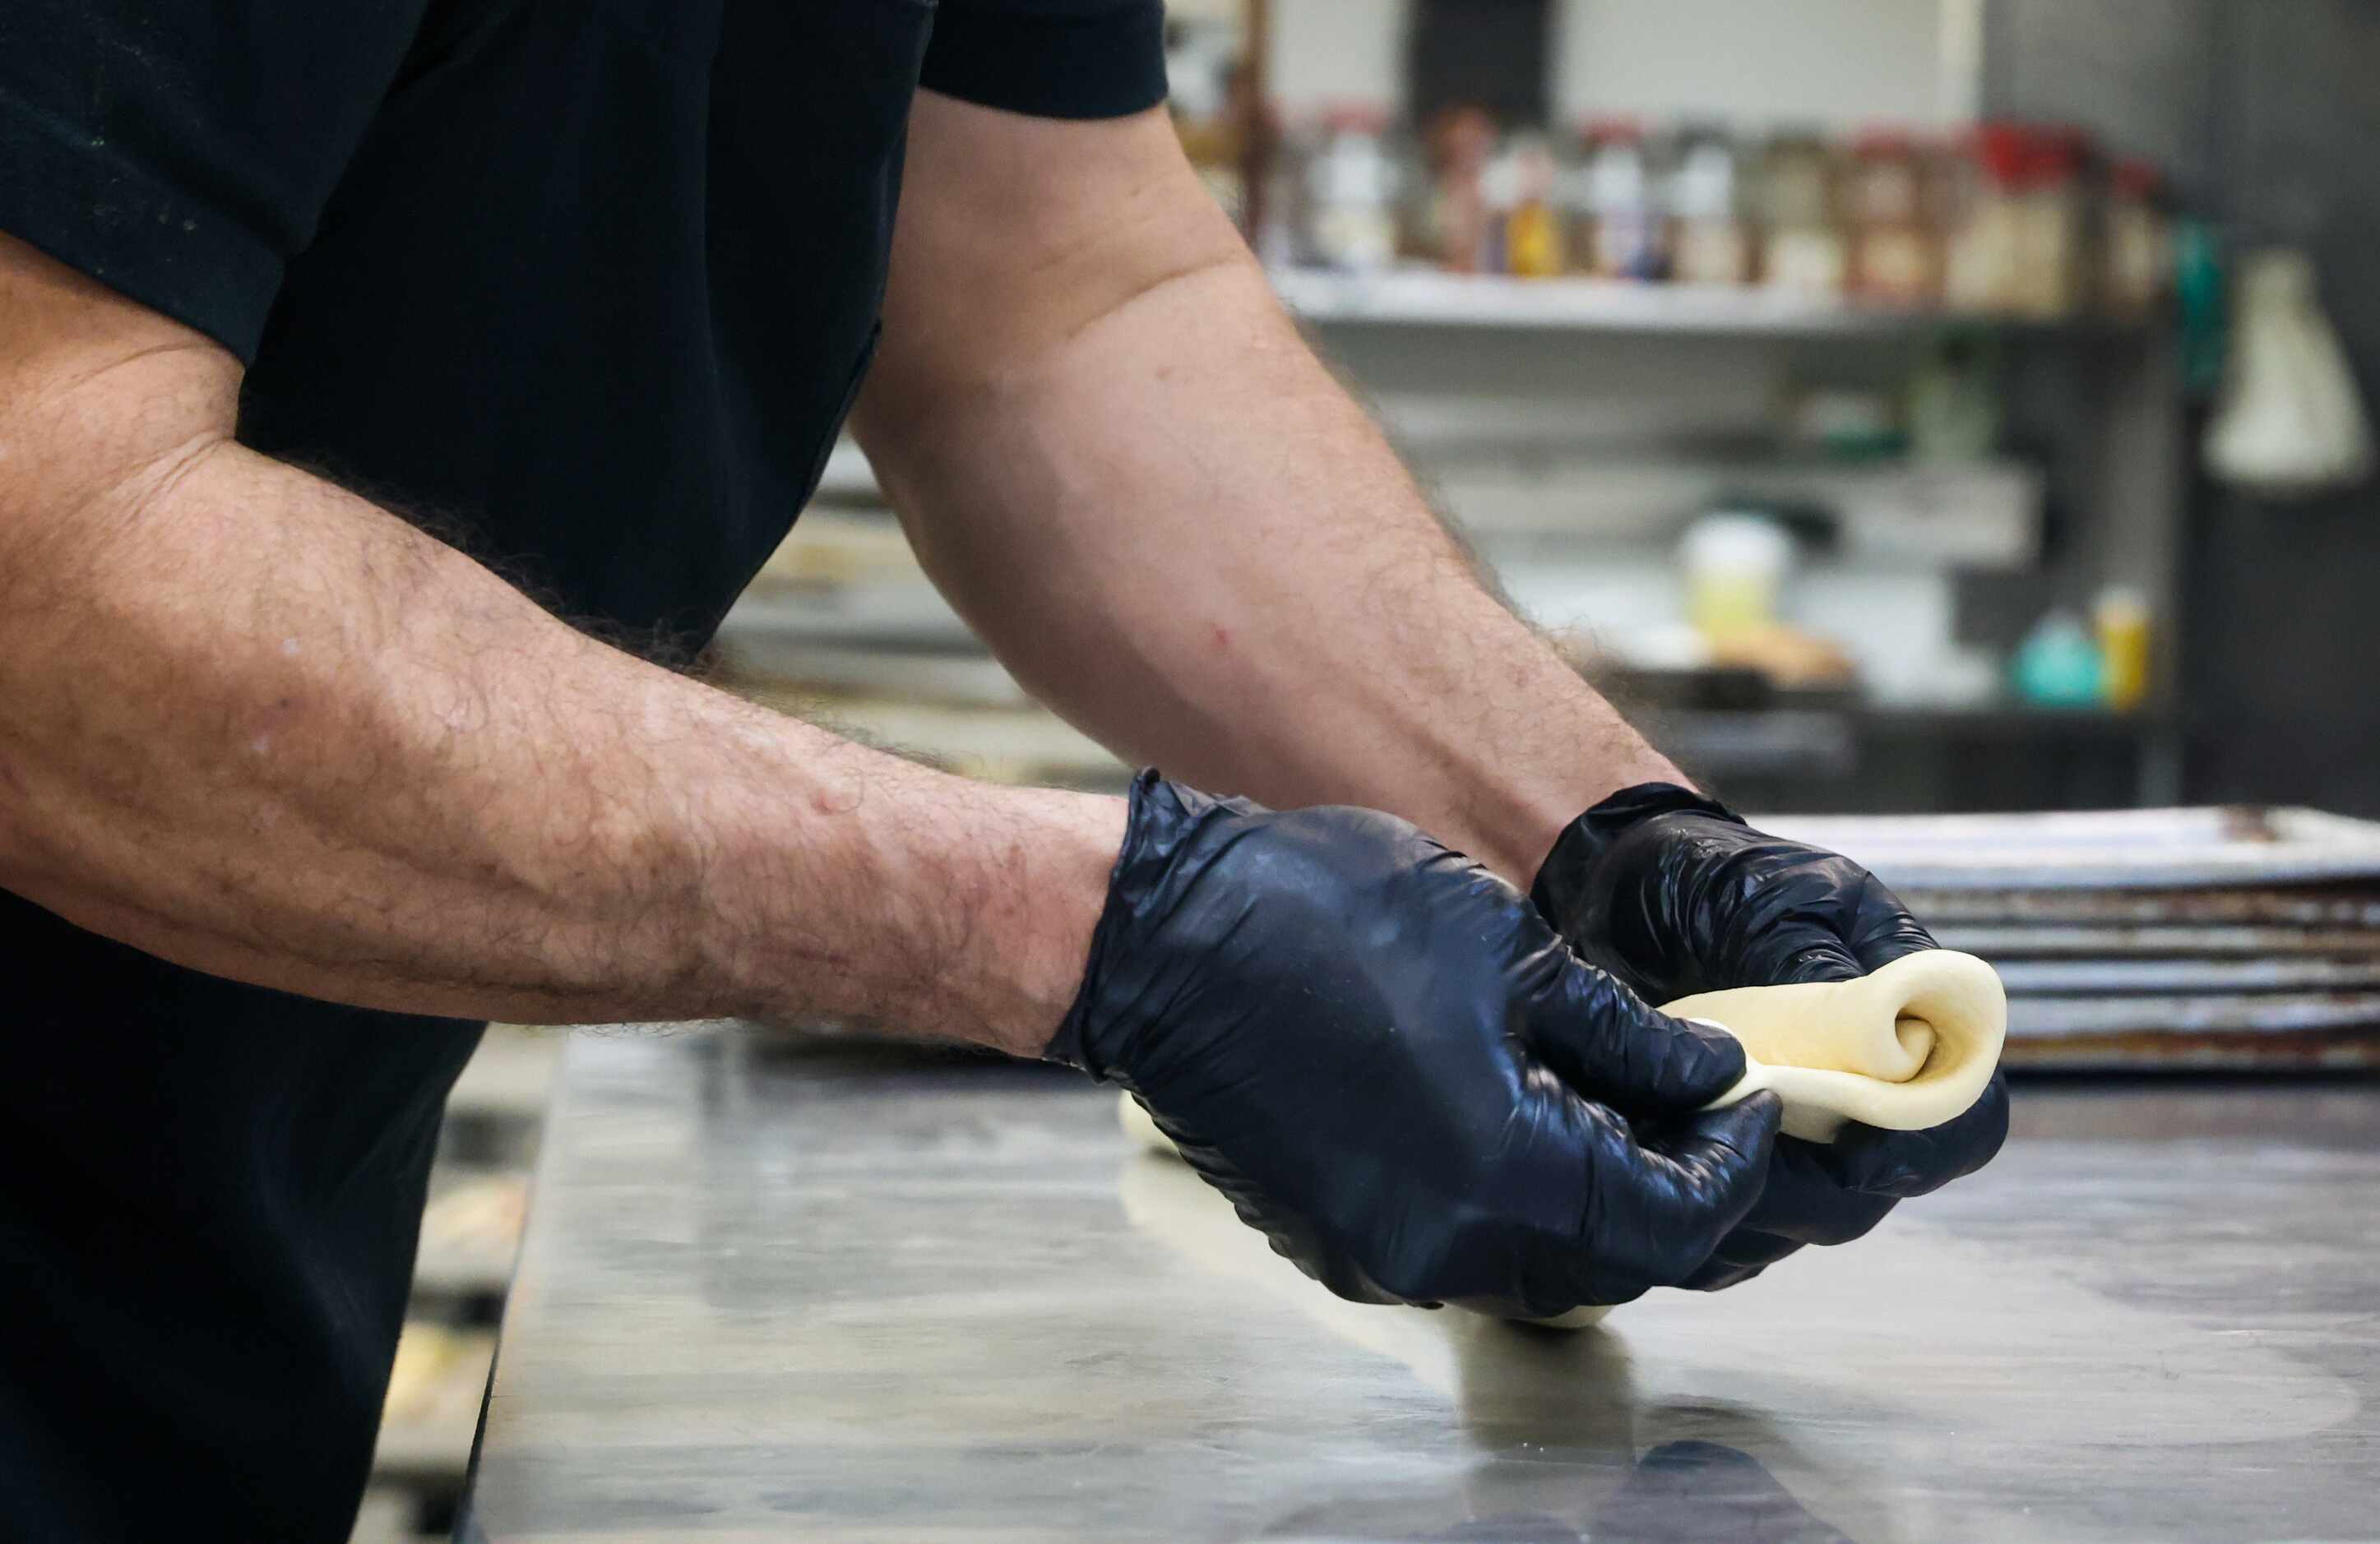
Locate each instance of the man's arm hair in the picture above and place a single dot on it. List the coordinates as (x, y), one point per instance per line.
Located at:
(1117, 457)
(258, 726)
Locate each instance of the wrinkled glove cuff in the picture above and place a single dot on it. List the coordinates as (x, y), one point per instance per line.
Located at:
(1073, 1045)
(1562, 878)
(1168, 841)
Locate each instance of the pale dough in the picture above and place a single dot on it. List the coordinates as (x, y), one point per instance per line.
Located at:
(1904, 1048)
(1141, 1129)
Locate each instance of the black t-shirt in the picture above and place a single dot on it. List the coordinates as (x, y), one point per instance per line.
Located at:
(585, 285)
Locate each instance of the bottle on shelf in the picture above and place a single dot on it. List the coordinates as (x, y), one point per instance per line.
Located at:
(1352, 191)
(1451, 215)
(2120, 619)
(2058, 664)
(1533, 242)
(1617, 224)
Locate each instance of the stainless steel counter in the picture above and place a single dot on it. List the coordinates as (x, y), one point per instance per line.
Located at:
(850, 1297)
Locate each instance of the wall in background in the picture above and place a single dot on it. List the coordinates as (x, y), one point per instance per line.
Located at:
(2140, 74)
(1835, 63)
(1326, 51)
(2270, 112)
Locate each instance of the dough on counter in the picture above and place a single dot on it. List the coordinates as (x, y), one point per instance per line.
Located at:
(1904, 1048)
(1138, 1125)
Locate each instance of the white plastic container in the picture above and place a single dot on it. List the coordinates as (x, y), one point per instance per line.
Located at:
(1735, 569)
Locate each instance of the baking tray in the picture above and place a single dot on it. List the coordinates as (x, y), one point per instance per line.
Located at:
(2123, 850)
(2311, 906)
(2321, 1051)
(2184, 941)
(2275, 1013)
(2248, 973)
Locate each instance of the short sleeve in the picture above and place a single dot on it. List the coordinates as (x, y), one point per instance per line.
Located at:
(1049, 58)
(180, 152)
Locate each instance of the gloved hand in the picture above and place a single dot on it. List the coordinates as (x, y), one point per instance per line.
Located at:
(1386, 1059)
(1674, 894)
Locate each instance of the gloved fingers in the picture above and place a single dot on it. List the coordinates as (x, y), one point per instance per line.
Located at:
(1656, 1215)
(1610, 1046)
(1739, 1256)
(1904, 1164)
(1798, 949)
(1805, 1201)
(1748, 1246)
(1880, 943)
(1882, 930)
(1856, 933)
(1718, 1277)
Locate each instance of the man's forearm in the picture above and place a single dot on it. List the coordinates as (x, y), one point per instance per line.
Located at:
(255, 725)
(1182, 533)
(1117, 457)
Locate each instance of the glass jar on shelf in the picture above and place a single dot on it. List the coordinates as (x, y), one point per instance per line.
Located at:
(1987, 240)
(1450, 223)
(2136, 280)
(1805, 251)
(1895, 252)
(2051, 232)
(1710, 239)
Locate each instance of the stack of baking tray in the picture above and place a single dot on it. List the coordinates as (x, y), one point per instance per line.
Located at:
(2187, 938)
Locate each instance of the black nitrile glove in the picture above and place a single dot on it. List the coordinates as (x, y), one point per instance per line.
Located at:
(1386, 1060)
(1676, 895)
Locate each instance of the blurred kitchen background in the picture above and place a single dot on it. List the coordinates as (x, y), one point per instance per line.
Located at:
(1904, 404)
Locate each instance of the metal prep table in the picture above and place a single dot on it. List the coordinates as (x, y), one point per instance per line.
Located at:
(857, 1296)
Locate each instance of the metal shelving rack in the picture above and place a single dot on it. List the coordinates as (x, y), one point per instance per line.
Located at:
(493, 1123)
(1416, 297)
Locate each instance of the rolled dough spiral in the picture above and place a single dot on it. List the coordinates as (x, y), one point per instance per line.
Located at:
(1904, 1048)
